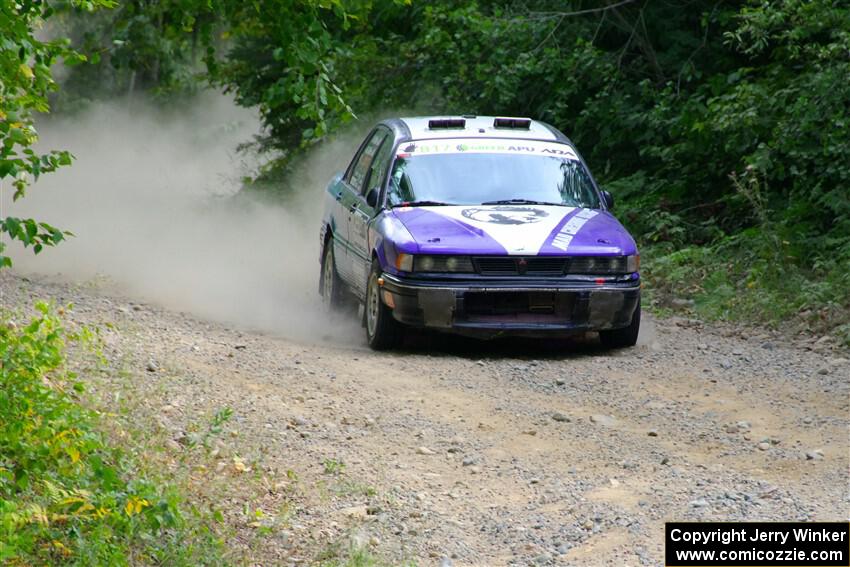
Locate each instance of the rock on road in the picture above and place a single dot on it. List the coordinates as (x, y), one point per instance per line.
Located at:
(465, 453)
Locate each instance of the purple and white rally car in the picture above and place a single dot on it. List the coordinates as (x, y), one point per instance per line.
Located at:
(477, 225)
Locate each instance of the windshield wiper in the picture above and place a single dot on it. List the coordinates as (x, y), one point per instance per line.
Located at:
(422, 204)
(521, 202)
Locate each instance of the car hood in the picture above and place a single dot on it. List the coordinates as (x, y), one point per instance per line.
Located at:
(515, 230)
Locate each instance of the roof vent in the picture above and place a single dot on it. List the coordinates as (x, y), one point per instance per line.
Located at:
(446, 124)
(512, 123)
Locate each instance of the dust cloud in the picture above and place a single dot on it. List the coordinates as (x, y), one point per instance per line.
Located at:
(648, 337)
(151, 200)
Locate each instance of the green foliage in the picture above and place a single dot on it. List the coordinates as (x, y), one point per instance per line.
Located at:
(717, 125)
(734, 280)
(214, 428)
(336, 555)
(153, 47)
(674, 98)
(332, 466)
(282, 59)
(31, 233)
(25, 81)
(66, 496)
(279, 56)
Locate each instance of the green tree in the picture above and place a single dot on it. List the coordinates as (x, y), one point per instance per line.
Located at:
(282, 57)
(666, 100)
(140, 46)
(25, 81)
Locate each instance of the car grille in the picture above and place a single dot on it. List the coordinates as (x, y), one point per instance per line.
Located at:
(548, 265)
(496, 266)
(511, 266)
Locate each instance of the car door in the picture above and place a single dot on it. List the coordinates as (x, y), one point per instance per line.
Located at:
(338, 194)
(362, 213)
(347, 194)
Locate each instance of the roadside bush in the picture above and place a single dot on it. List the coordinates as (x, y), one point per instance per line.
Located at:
(66, 496)
(745, 278)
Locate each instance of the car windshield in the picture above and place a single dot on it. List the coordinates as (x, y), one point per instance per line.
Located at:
(462, 178)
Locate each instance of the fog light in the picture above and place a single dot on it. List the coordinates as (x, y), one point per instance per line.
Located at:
(388, 299)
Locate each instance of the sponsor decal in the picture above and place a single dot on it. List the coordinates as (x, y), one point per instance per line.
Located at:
(505, 214)
(519, 229)
(571, 227)
(457, 146)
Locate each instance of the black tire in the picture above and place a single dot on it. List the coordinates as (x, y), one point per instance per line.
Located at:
(330, 286)
(382, 331)
(625, 337)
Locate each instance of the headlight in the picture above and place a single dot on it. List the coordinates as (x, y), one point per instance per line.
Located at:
(603, 265)
(425, 264)
(436, 263)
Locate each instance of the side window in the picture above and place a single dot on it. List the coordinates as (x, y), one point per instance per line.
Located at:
(400, 190)
(379, 167)
(364, 161)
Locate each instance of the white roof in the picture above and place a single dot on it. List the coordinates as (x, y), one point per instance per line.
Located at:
(476, 127)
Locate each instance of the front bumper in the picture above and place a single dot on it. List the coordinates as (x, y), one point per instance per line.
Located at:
(516, 306)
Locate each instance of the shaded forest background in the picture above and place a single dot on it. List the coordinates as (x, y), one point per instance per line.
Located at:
(721, 127)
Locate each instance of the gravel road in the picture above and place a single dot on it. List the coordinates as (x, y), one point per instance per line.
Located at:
(454, 452)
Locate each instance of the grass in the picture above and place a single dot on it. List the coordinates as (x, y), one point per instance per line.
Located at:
(221, 486)
(779, 272)
(68, 494)
(753, 278)
(332, 466)
(337, 555)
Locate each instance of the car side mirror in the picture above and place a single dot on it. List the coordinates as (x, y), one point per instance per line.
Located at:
(609, 200)
(372, 197)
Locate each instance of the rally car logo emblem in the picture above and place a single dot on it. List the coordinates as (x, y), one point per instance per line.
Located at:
(505, 214)
(522, 265)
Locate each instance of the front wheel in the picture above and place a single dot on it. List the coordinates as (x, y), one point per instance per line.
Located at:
(382, 331)
(625, 337)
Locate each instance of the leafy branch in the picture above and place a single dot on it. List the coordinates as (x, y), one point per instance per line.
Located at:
(25, 82)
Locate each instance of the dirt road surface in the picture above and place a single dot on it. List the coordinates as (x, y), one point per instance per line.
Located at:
(453, 452)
